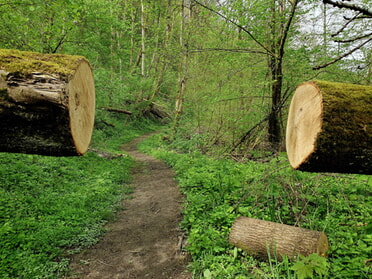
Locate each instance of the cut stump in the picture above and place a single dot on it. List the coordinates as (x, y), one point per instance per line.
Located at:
(47, 103)
(263, 238)
(329, 128)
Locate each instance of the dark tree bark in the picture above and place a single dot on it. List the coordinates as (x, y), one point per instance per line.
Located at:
(329, 128)
(47, 103)
(353, 7)
(281, 31)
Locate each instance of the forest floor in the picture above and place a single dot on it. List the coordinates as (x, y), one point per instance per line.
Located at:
(145, 240)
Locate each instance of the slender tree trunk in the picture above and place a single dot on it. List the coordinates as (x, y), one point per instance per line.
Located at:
(119, 36)
(276, 77)
(325, 29)
(280, 31)
(164, 50)
(112, 54)
(143, 37)
(276, 102)
(369, 75)
(132, 42)
(182, 79)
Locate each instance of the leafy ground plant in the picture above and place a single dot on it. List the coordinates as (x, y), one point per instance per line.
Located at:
(308, 267)
(52, 206)
(219, 190)
(49, 204)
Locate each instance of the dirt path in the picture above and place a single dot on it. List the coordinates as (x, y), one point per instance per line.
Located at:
(144, 242)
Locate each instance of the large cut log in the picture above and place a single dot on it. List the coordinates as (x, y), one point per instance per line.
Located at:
(47, 103)
(263, 239)
(329, 128)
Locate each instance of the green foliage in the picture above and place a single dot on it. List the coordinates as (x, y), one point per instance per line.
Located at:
(53, 206)
(48, 205)
(227, 78)
(228, 93)
(307, 267)
(219, 190)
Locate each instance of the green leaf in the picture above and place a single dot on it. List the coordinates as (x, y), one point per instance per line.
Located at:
(207, 274)
(302, 270)
(235, 252)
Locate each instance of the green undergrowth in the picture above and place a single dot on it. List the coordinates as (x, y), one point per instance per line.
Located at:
(51, 207)
(217, 191)
(114, 129)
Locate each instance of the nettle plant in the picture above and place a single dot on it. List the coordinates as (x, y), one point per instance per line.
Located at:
(218, 190)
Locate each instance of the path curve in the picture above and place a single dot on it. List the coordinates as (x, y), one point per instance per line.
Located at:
(144, 242)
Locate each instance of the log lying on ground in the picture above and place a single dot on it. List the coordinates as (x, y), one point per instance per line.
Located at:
(47, 103)
(263, 238)
(329, 128)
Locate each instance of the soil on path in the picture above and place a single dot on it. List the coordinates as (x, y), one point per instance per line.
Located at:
(145, 241)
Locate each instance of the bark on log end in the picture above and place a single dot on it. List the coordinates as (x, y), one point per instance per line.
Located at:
(263, 238)
(329, 128)
(47, 103)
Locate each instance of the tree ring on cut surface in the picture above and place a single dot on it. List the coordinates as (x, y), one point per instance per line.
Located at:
(304, 123)
(82, 106)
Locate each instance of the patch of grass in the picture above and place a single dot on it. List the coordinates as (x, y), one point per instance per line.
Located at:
(218, 191)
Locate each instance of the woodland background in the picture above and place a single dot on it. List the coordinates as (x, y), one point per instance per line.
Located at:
(219, 76)
(222, 71)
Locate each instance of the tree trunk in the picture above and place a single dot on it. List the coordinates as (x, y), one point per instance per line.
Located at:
(329, 128)
(259, 238)
(183, 64)
(276, 102)
(47, 103)
(143, 39)
(281, 22)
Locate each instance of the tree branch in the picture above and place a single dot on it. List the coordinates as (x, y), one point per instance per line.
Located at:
(354, 39)
(283, 39)
(248, 133)
(237, 25)
(350, 20)
(60, 42)
(342, 56)
(343, 5)
(239, 50)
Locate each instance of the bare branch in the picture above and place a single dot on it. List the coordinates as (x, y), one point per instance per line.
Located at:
(342, 56)
(237, 25)
(287, 26)
(354, 39)
(343, 5)
(239, 50)
(350, 20)
(249, 133)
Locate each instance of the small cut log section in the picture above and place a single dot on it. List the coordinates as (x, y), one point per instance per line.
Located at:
(263, 238)
(329, 128)
(47, 103)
